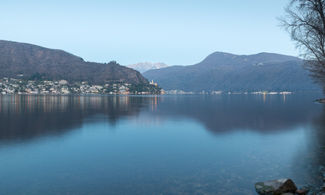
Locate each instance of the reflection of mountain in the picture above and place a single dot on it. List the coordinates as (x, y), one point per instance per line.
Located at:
(30, 116)
(232, 112)
(24, 117)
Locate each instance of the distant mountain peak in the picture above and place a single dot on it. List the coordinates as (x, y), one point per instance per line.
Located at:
(274, 57)
(222, 58)
(145, 66)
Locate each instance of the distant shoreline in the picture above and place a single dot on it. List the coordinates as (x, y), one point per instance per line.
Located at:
(63, 87)
(322, 100)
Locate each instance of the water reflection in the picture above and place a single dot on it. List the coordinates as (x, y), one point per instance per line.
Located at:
(251, 112)
(23, 117)
(312, 157)
(193, 144)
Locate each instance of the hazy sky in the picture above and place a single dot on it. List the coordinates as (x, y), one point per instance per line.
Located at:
(177, 32)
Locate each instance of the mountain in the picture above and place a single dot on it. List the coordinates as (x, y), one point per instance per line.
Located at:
(145, 66)
(27, 61)
(229, 72)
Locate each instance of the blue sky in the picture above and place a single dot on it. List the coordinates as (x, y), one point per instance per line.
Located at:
(177, 32)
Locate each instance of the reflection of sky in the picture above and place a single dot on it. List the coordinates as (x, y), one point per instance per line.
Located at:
(176, 156)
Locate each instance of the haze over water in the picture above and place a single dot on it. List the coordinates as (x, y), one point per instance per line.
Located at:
(219, 144)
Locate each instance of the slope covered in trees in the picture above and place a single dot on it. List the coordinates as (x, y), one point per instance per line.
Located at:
(33, 62)
(229, 72)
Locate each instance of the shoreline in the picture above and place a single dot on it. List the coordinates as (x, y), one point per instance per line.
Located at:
(321, 100)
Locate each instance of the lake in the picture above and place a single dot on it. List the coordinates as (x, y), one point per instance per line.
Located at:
(191, 144)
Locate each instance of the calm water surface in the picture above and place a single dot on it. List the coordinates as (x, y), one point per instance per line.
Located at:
(219, 144)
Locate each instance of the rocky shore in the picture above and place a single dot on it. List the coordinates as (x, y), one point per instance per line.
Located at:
(322, 100)
(287, 187)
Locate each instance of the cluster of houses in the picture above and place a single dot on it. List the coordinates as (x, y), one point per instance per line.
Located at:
(62, 87)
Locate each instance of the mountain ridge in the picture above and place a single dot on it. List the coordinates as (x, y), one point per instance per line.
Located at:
(28, 59)
(221, 71)
(145, 66)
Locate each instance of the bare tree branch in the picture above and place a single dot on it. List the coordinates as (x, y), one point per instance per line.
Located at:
(305, 21)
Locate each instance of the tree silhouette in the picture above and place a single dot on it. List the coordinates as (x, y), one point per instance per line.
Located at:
(305, 21)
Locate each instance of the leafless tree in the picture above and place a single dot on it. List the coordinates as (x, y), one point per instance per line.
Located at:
(305, 21)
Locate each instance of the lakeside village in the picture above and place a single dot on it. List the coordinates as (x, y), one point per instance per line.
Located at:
(63, 87)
